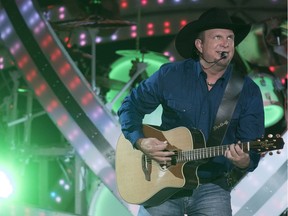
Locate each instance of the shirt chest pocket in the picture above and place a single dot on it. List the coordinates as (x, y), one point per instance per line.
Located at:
(182, 111)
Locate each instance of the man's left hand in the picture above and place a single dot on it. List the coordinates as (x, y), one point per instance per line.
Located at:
(237, 156)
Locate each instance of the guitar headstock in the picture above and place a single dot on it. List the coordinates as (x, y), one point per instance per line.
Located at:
(267, 144)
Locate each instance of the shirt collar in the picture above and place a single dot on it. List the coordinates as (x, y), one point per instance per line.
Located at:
(198, 69)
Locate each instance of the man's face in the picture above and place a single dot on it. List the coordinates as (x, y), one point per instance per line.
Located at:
(216, 41)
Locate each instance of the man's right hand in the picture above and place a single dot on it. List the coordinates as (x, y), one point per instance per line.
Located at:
(155, 149)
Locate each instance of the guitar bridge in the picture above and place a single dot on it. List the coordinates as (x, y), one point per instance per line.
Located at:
(146, 167)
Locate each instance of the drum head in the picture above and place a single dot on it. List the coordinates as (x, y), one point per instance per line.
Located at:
(273, 105)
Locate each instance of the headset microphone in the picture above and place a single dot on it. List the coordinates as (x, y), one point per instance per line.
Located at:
(223, 55)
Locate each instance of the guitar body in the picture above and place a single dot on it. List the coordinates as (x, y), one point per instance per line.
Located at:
(146, 182)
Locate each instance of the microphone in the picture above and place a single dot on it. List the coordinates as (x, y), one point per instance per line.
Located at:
(223, 55)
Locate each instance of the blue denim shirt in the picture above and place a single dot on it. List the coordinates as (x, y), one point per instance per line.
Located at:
(181, 89)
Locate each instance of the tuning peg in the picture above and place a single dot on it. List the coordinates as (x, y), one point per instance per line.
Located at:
(278, 135)
(270, 153)
(278, 152)
(270, 135)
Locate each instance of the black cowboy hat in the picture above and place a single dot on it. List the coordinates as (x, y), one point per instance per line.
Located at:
(212, 18)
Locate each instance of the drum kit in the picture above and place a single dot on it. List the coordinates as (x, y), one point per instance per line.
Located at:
(265, 46)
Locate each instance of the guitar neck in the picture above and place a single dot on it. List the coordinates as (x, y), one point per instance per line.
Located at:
(205, 153)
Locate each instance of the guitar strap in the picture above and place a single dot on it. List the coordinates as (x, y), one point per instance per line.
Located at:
(226, 108)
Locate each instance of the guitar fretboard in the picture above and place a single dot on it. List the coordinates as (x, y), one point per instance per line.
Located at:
(204, 153)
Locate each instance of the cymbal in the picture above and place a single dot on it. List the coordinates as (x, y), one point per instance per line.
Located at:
(92, 22)
(139, 54)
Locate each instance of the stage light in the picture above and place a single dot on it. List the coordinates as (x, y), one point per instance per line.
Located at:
(1, 63)
(62, 120)
(83, 39)
(133, 33)
(66, 39)
(183, 23)
(98, 40)
(150, 29)
(272, 69)
(67, 187)
(61, 182)
(6, 186)
(123, 4)
(53, 194)
(83, 43)
(30, 76)
(86, 99)
(144, 2)
(150, 32)
(58, 199)
(74, 83)
(62, 13)
(114, 37)
(167, 29)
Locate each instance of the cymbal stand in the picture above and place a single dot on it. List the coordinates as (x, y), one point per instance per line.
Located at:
(93, 33)
(141, 67)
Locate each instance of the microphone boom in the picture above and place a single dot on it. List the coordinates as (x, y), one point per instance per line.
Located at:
(223, 56)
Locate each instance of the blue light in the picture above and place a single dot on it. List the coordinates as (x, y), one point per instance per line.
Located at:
(53, 194)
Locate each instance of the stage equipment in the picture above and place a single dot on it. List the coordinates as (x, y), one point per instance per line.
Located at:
(125, 67)
(272, 98)
(261, 46)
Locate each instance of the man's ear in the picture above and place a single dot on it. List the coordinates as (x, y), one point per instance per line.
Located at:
(198, 45)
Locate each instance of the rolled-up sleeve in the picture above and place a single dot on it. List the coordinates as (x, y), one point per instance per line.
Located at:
(251, 120)
(142, 100)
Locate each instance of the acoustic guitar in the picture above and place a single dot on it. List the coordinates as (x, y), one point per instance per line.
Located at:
(141, 180)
